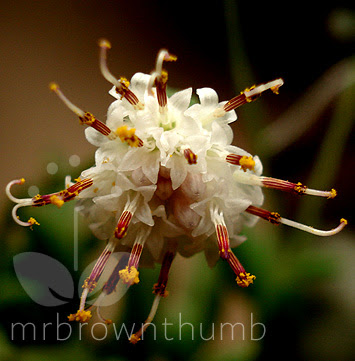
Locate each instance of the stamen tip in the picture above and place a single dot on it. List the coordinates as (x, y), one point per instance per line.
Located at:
(170, 57)
(104, 43)
(245, 279)
(33, 221)
(332, 194)
(134, 339)
(53, 86)
(343, 220)
(81, 316)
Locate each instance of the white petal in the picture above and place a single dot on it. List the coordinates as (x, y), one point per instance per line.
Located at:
(139, 84)
(94, 137)
(181, 100)
(208, 97)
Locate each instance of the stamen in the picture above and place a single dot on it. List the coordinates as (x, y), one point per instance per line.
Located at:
(65, 195)
(244, 279)
(247, 96)
(275, 218)
(272, 217)
(221, 232)
(190, 156)
(55, 88)
(81, 316)
(160, 77)
(8, 190)
(84, 117)
(129, 136)
(243, 161)
(160, 292)
(123, 223)
(91, 282)
(57, 199)
(129, 275)
(286, 186)
(121, 84)
(126, 217)
(114, 283)
(163, 55)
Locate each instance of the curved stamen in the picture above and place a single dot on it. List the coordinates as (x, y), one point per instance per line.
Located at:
(57, 199)
(247, 96)
(317, 232)
(121, 84)
(8, 191)
(286, 186)
(275, 218)
(16, 218)
(104, 46)
(20, 203)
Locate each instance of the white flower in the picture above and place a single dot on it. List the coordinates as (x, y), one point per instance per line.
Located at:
(167, 180)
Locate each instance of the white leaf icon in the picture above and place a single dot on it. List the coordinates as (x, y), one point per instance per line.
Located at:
(46, 280)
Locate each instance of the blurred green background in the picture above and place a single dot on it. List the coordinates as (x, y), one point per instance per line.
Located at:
(304, 289)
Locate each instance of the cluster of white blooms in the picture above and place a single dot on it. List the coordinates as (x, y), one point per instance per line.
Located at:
(166, 180)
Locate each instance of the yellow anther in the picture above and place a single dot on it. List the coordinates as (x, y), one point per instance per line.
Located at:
(245, 279)
(300, 188)
(56, 201)
(108, 321)
(333, 193)
(248, 99)
(274, 218)
(104, 43)
(134, 339)
(81, 316)
(77, 179)
(275, 89)
(22, 180)
(343, 220)
(171, 58)
(32, 221)
(129, 276)
(128, 136)
(53, 86)
(89, 284)
(87, 119)
(247, 163)
(124, 81)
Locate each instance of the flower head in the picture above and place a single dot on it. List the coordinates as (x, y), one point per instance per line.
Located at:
(166, 180)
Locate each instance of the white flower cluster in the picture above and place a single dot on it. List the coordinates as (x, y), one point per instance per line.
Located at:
(169, 194)
(166, 180)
